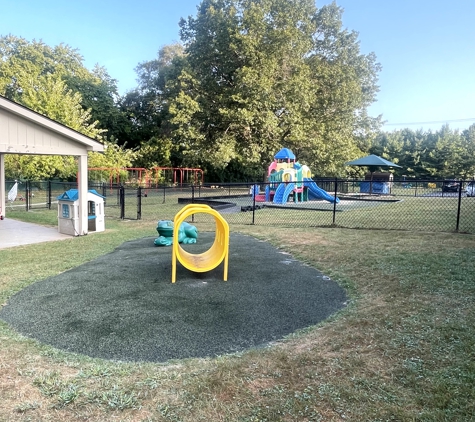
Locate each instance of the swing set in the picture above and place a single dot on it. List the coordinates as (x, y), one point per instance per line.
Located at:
(147, 178)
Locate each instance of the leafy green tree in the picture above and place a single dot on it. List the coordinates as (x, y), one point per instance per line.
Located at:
(28, 66)
(439, 154)
(147, 109)
(156, 152)
(404, 147)
(346, 84)
(266, 74)
(33, 74)
(114, 156)
(39, 167)
(48, 95)
(445, 153)
(99, 95)
(468, 140)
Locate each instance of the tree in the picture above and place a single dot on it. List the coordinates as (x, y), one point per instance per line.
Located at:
(266, 74)
(443, 153)
(468, 139)
(39, 167)
(146, 107)
(99, 95)
(32, 74)
(114, 156)
(346, 83)
(404, 147)
(98, 91)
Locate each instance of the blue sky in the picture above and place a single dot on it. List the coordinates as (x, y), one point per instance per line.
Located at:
(426, 47)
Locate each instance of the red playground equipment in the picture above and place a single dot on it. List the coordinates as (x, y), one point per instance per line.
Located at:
(148, 178)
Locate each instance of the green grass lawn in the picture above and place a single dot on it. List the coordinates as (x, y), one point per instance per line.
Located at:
(403, 350)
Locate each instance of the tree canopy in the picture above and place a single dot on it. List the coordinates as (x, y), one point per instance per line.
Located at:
(267, 74)
(33, 74)
(53, 82)
(444, 153)
(248, 78)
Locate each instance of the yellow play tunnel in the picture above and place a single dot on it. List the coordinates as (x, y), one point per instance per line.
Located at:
(210, 259)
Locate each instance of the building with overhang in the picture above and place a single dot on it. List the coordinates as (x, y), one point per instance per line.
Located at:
(26, 132)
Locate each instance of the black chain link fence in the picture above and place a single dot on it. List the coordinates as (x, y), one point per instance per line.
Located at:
(418, 205)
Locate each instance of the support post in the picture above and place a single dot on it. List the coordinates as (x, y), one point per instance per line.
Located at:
(27, 195)
(253, 205)
(104, 192)
(459, 205)
(82, 195)
(139, 203)
(122, 202)
(49, 194)
(2, 186)
(334, 202)
(192, 201)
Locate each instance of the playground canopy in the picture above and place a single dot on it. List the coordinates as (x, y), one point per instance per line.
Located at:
(373, 162)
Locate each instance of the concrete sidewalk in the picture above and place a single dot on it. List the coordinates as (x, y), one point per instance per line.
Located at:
(16, 233)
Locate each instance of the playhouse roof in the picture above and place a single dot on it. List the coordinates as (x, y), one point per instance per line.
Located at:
(284, 153)
(73, 195)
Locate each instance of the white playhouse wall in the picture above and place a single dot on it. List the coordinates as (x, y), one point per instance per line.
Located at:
(68, 215)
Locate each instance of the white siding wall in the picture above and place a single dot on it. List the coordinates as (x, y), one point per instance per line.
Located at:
(20, 136)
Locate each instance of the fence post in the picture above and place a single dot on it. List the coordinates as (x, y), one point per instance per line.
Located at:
(122, 201)
(49, 194)
(27, 195)
(192, 201)
(459, 206)
(139, 203)
(334, 202)
(104, 192)
(253, 204)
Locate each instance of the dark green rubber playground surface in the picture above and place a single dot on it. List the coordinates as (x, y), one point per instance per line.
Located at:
(123, 306)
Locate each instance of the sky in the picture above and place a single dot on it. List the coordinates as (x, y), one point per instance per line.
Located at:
(426, 47)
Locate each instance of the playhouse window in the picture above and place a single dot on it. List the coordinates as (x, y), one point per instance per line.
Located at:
(91, 208)
(65, 210)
